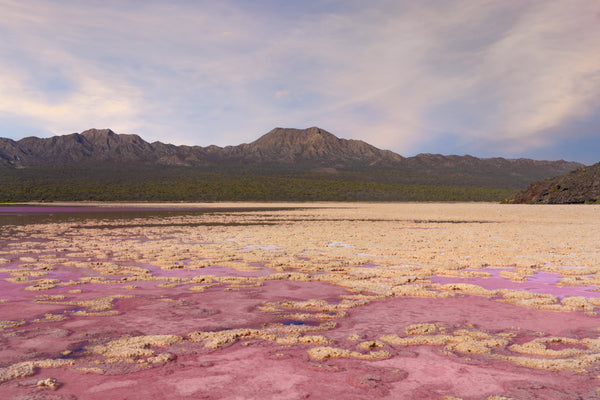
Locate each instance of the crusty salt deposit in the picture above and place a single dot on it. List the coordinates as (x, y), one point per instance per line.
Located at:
(330, 300)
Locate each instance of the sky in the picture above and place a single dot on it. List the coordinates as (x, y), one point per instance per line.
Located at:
(509, 78)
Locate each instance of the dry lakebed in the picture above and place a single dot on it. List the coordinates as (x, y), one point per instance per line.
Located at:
(299, 301)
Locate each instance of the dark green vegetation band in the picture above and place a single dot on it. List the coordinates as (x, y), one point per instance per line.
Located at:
(194, 184)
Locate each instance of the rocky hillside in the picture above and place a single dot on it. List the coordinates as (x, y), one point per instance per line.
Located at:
(579, 186)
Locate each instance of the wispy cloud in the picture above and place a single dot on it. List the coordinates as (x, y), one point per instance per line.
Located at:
(512, 77)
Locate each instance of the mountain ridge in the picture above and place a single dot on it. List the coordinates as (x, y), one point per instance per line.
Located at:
(281, 145)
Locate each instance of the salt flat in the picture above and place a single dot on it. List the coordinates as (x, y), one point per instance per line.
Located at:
(308, 300)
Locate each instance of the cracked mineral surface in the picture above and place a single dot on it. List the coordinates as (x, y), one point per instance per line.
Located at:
(290, 301)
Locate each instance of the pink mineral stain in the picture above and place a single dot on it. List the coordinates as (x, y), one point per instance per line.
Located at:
(541, 282)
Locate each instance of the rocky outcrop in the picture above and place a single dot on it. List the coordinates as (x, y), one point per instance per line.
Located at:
(579, 186)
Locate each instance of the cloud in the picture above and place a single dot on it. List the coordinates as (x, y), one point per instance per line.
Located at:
(89, 101)
(459, 76)
(493, 74)
(280, 94)
(547, 70)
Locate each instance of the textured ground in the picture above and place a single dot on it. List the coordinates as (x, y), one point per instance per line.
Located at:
(319, 301)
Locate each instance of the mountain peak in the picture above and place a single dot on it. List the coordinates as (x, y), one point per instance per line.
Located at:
(315, 146)
(98, 133)
(282, 137)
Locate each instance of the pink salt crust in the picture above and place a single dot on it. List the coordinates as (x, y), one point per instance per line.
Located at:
(257, 369)
(432, 374)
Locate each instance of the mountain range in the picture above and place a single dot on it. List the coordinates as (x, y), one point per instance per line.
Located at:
(312, 147)
(312, 153)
